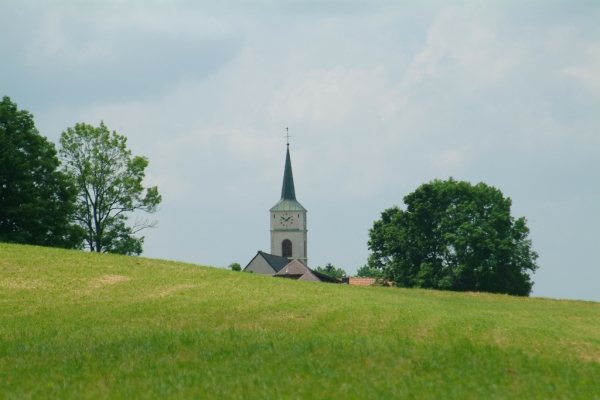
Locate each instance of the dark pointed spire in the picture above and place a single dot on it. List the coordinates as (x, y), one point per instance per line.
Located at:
(287, 190)
(288, 200)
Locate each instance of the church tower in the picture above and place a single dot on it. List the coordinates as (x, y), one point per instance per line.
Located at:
(288, 220)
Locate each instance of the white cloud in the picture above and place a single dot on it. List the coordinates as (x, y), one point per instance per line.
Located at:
(589, 71)
(464, 44)
(328, 96)
(449, 158)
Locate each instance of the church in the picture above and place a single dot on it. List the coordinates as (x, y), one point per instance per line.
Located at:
(289, 233)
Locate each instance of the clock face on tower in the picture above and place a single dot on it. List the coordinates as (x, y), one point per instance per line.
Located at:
(286, 220)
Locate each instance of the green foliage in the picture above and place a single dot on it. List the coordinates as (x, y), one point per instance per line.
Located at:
(109, 184)
(36, 199)
(369, 272)
(332, 271)
(235, 267)
(454, 236)
(87, 325)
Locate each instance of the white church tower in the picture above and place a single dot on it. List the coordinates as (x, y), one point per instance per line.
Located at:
(288, 220)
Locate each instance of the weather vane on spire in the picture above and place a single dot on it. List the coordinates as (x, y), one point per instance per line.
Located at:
(287, 136)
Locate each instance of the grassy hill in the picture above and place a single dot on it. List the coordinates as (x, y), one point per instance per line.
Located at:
(80, 325)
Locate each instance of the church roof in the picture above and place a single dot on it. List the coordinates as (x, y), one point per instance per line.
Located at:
(288, 200)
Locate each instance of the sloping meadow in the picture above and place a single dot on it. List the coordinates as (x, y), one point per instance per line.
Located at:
(81, 325)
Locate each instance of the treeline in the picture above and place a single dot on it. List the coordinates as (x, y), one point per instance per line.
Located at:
(79, 197)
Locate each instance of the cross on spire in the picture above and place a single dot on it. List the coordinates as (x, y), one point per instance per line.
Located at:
(287, 136)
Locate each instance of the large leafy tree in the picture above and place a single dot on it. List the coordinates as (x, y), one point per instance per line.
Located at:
(454, 236)
(36, 198)
(109, 183)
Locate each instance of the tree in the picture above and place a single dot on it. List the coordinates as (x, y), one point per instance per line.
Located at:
(109, 185)
(454, 236)
(37, 200)
(332, 271)
(235, 267)
(368, 272)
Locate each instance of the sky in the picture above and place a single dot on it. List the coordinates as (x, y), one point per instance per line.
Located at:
(379, 97)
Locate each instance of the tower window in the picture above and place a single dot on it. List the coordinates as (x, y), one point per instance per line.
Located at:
(286, 248)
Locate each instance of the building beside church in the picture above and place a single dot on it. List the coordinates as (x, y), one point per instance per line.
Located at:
(266, 264)
(289, 237)
(281, 267)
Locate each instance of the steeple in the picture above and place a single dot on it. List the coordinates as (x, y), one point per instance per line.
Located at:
(288, 219)
(288, 200)
(287, 190)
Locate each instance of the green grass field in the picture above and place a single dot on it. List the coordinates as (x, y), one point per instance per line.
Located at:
(81, 325)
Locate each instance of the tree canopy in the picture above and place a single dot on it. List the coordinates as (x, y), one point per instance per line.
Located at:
(109, 188)
(454, 236)
(332, 271)
(367, 271)
(36, 198)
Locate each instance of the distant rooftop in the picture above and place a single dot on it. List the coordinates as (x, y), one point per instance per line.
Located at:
(276, 262)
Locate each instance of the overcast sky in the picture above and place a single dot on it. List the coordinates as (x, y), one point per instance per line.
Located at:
(379, 98)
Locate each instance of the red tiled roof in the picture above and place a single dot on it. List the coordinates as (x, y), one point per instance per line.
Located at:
(361, 281)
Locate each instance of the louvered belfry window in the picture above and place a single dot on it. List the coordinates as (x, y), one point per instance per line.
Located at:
(286, 248)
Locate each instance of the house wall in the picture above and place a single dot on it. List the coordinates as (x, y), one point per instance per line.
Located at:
(260, 266)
